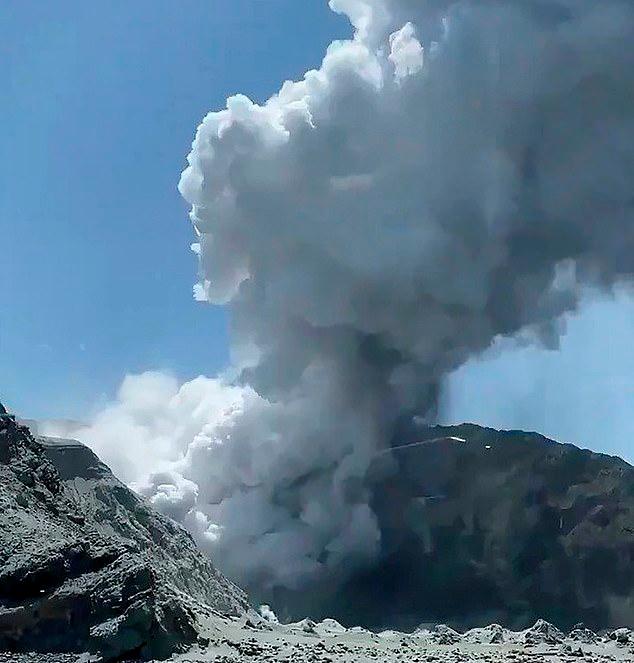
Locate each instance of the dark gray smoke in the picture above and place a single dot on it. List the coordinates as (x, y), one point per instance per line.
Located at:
(454, 173)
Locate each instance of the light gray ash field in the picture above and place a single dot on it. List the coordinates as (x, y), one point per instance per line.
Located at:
(250, 640)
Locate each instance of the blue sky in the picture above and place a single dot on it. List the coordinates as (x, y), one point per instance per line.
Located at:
(582, 392)
(105, 97)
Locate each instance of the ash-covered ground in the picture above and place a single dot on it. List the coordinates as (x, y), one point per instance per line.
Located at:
(247, 639)
(237, 641)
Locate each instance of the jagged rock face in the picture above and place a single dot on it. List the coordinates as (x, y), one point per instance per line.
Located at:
(87, 565)
(506, 527)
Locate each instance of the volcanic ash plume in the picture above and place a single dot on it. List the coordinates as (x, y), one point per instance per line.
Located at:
(455, 172)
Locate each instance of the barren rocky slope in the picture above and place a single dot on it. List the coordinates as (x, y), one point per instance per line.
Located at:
(504, 527)
(88, 566)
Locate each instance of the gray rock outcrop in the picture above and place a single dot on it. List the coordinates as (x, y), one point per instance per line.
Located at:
(88, 566)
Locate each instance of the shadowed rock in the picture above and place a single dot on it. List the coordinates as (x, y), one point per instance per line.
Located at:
(505, 527)
(87, 565)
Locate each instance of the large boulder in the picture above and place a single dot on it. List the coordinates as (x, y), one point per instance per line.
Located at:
(87, 565)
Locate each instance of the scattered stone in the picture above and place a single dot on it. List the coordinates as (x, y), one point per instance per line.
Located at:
(445, 635)
(584, 635)
(489, 635)
(543, 632)
(621, 635)
(290, 644)
(308, 626)
(331, 626)
(202, 641)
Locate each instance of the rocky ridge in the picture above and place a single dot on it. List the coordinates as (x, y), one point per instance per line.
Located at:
(88, 566)
(479, 526)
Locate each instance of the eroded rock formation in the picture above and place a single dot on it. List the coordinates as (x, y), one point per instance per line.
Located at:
(88, 566)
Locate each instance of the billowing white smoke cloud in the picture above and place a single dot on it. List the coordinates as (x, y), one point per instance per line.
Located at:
(453, 173)
(152, 422)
